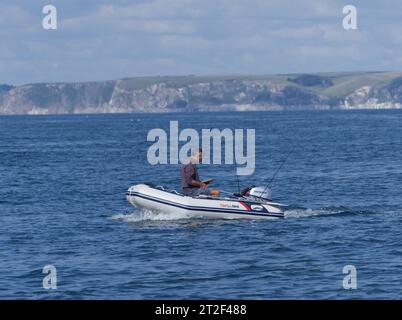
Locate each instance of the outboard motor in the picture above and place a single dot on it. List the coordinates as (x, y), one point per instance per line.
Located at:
(246, 191)
(261, 193)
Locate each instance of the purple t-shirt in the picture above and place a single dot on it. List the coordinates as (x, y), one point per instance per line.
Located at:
(189, 172)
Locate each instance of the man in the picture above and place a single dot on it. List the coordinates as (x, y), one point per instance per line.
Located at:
(190, 181)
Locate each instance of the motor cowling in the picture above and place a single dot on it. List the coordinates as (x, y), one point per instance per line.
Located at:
(261, 193)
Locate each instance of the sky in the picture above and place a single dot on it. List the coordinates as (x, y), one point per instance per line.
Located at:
(106, 40)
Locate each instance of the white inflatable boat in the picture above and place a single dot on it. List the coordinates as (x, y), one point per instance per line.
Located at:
(254, 203)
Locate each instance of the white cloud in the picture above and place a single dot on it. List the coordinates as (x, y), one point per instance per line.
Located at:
(107, 40)
(14, 17)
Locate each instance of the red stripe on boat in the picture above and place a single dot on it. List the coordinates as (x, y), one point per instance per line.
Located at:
(245, 206)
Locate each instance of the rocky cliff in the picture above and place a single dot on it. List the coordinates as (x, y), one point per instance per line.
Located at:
(196, 93)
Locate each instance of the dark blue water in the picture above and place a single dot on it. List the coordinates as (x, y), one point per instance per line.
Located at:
(62, 202)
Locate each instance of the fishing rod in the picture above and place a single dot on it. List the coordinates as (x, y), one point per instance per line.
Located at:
(237, 177)
(238, 183)
(270, 183)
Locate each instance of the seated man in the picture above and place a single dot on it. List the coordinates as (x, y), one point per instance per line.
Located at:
(190, 181)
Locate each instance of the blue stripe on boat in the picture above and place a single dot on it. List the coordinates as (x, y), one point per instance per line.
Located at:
(196, 208)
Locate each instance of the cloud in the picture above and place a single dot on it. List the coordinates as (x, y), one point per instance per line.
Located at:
(14, 17)
(108, 40)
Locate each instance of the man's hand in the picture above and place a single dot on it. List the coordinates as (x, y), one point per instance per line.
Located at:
(208, 181)
(199, 184)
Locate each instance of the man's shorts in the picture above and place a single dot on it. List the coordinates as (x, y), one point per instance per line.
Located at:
(195, 192)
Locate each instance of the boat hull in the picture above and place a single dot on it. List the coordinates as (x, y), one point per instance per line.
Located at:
(145, 197)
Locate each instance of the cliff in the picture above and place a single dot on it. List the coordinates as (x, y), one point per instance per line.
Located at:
(370, 90)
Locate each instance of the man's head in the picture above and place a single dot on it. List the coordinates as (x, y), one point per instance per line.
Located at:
(196, 156)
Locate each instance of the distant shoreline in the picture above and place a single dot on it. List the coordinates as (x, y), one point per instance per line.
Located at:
(328, 91)
(203, 112)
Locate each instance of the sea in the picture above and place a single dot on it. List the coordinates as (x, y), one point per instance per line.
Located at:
(68, 232)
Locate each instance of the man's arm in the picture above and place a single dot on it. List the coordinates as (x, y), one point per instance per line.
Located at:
(199, 184)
